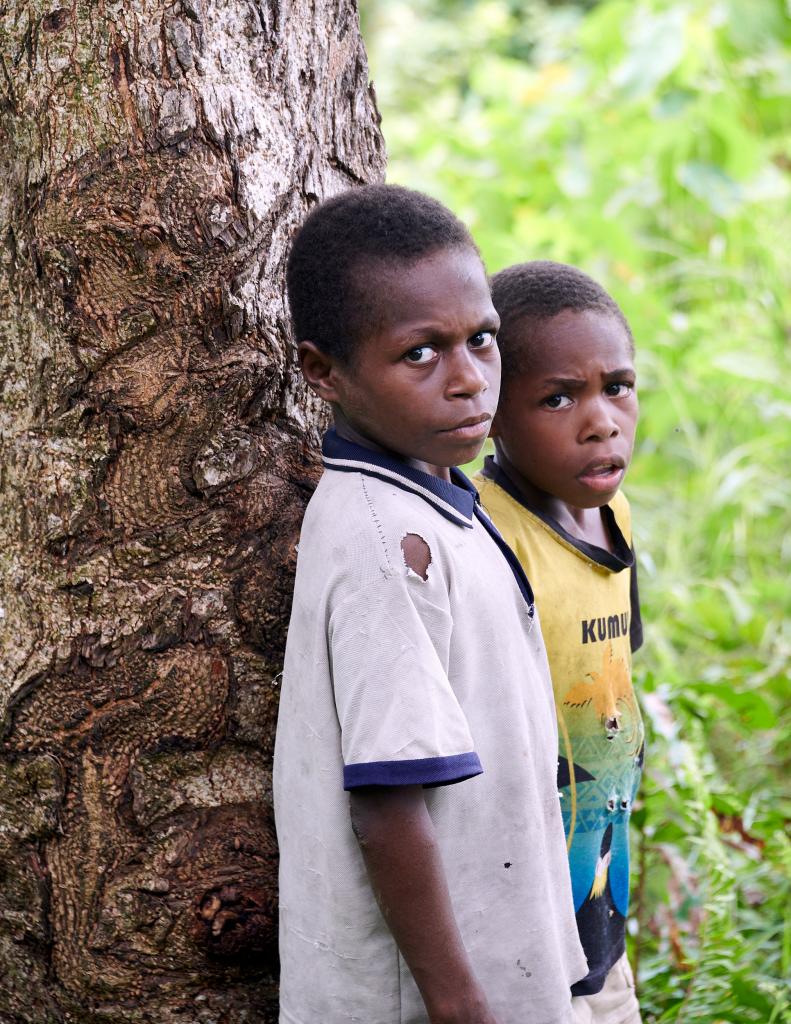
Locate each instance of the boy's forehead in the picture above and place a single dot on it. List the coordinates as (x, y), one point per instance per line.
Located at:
(449, 282)
(573, 338)
(457, 261)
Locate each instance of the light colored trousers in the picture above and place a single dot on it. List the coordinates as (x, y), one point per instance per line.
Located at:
(615, 1004)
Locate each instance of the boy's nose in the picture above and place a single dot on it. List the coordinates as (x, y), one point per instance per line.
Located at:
(465, 375)
(600, 423)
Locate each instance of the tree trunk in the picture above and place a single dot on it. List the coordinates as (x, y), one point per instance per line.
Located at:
(157, 452)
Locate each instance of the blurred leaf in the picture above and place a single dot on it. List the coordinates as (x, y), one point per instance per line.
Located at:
(573, 174)
(712, 185)
(749, 365)
(656, 45)
(748, 996)
(753, 708)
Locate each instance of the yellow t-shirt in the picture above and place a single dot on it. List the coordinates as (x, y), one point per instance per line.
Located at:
(590, 619)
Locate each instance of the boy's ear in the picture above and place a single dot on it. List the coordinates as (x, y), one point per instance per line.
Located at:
(318, 369)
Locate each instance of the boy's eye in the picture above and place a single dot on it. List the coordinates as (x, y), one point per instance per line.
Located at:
(483, 339)
(421, 354)
(619, 388)
(557, 401)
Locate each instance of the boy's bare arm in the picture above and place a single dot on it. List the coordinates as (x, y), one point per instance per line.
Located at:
(398, 842)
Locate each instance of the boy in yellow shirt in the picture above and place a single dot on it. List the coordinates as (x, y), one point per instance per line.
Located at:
(563, 435)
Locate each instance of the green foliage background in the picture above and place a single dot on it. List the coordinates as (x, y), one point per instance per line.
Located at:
(650, 144)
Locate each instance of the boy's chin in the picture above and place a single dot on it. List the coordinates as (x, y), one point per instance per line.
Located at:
(466, 455)
(449, 455)
(596, 500)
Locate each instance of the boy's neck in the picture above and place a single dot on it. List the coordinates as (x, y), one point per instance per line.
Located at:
(585, 524)
(348, 432)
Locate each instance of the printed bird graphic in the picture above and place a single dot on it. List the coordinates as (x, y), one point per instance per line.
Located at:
(599, 863)
(601, 748)
(607, 687)
(602, 865)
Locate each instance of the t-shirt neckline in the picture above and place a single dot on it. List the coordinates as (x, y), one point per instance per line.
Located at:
(622, 557)
(455, 499)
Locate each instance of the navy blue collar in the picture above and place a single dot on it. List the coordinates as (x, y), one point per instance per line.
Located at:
(455, 499)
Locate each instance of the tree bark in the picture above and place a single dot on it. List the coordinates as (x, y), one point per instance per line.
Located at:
(157, 452)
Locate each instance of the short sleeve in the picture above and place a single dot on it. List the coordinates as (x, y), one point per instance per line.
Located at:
(400, 720)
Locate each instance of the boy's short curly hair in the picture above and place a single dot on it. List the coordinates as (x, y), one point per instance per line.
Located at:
(330, 299)
(528, 294)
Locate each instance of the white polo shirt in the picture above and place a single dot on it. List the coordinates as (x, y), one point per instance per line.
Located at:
(391, 679)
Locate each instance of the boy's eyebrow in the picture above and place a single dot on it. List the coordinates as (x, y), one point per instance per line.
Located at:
(577, 382)
(625, 371)
(429, 329)
(565, 382)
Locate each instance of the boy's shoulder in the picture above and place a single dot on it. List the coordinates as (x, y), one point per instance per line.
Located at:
(355, 527)
(623, 514)
(500, 499)
(371, 508)
(365, 489)
(361, 504)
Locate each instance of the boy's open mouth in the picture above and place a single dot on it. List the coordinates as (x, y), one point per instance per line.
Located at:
(603, 474)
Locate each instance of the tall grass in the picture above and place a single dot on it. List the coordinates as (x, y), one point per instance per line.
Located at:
(650, 144)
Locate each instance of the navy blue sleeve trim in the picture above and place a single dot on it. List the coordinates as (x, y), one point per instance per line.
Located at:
(426, 771)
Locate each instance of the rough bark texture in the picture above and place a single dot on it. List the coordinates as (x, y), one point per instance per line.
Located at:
(157, 452)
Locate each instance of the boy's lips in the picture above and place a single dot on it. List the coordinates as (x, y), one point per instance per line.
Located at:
(471, 429)
(604, 473)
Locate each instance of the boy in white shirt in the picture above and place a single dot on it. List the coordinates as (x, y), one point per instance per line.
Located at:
(414, 658)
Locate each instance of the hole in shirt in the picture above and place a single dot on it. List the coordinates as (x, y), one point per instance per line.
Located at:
(417, 554)
(611, 727)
